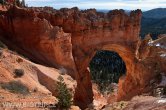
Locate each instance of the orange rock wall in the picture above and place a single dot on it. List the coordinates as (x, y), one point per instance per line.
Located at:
(69, 38)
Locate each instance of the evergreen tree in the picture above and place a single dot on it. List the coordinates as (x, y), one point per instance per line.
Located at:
(64, 95)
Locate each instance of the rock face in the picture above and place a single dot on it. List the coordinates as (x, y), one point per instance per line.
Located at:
(39, 82)
(139, 103)
(69, 38)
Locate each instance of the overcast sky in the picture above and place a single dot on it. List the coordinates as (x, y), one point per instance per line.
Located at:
(101, 4)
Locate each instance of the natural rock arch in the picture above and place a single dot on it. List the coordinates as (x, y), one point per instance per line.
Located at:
(68, 38)
(128, 56)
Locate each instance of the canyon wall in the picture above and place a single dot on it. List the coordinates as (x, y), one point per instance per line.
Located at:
(69, 38)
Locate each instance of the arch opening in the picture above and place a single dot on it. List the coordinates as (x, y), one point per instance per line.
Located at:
(106, 67)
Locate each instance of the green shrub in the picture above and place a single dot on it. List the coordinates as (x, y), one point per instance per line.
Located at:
(18, 73)
(64, 95)
(15, 87)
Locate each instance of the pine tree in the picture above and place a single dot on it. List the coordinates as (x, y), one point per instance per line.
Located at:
(64, 95)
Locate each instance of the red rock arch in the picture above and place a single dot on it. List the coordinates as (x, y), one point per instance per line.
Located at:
(68, 38)
(85, 87)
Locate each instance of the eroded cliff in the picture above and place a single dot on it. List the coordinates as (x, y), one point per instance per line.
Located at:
(68, 39)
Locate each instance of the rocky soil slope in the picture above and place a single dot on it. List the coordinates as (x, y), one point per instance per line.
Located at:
(32, 88)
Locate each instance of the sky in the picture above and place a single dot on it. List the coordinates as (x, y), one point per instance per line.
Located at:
(100, 4)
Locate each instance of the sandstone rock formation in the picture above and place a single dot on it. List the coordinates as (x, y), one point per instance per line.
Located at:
(138, 103)
(69, 38)
(39, 80)
(3, 8)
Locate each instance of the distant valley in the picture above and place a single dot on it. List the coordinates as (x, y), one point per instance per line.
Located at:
(154, 22)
